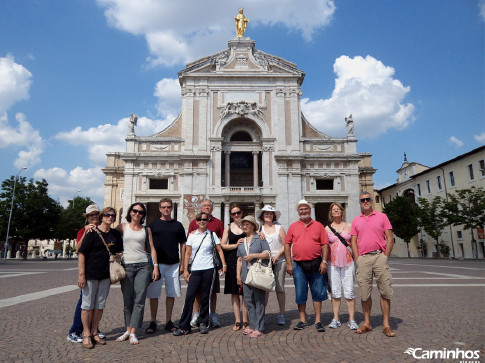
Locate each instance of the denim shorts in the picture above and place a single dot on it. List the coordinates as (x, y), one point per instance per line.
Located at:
(302, 280)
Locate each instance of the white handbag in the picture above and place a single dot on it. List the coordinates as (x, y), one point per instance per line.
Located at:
(259, 276)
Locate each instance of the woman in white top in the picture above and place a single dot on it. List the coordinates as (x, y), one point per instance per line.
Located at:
(199, 251)
(138, 269)
(275, 236)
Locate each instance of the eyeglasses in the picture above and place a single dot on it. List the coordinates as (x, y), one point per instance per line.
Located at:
(137, 211)
(363, 200)
(236, 213)
(108, 215)
(203, 219)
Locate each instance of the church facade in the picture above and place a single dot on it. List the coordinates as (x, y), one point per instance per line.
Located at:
(240, 137)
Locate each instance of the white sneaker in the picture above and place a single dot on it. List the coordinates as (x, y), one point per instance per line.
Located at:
(214, 323)
(334, 324)
(74, 338)
(281, 319)
(195, 320)
(353, 325)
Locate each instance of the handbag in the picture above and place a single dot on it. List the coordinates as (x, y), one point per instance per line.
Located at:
(116, 270)
(191, 260)
(215, 255)
(259, 276)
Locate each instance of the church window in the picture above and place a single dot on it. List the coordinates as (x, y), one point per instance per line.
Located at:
(158, 183)
(241, 136)
(324, 184)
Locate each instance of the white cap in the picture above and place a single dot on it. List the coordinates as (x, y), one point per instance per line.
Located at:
(268, 208)
(91, 208)
(302, 202)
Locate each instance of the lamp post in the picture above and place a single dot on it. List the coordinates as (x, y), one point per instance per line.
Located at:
(74, 200)
(11, 210)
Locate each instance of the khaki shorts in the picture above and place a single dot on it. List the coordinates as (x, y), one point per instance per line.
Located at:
(369, 266)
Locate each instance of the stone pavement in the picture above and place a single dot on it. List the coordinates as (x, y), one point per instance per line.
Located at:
(437, 304)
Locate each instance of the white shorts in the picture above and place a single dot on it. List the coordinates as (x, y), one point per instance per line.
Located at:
(94, 294)
(342, 277)
(169, 273)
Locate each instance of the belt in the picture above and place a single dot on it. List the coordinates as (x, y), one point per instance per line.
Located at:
(375, 252)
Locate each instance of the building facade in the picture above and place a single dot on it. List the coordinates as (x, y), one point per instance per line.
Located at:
(419, 181)
(240, 137)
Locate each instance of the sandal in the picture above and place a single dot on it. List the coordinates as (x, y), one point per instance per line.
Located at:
(245, 324)
(133, 339)
(152, 328)
(255, 334)
(363, 329)
(247, 331)
(123, 337)
(99, 340)
(388, 332)
(237, 326)
(89, 345)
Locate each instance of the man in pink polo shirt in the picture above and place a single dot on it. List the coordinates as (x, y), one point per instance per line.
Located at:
(309, 263)
(372, 242)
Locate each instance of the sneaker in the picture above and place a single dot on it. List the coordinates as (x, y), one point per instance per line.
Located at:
(353, 325)
(101, 335)
(203, 328)
(300, 326)
(195, 320)
(214, 323)
(320, 328)
(180, 332)
(74, 338)
(281, 320)
(169, 326)
(335, 324)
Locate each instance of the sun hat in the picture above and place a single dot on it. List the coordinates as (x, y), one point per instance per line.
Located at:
(252, 220)
(268, 208)
(302, 202)
(90, 209)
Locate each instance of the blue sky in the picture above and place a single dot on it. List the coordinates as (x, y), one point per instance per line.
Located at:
(410, 72)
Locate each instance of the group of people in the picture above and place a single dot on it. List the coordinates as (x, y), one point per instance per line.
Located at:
(162, 251)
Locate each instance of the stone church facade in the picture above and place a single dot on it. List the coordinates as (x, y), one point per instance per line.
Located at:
(240, 137)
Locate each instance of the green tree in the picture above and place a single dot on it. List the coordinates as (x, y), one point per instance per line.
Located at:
(35, 214)
(466, 207)
(403, 217)
(432, 219)
(72, 218)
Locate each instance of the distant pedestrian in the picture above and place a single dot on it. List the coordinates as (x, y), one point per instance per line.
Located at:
(372, 242)
(308, 241)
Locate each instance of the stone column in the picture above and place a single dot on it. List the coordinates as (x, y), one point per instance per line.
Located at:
(227, 217)
(227, 177)
(217, 210)
(255, 168)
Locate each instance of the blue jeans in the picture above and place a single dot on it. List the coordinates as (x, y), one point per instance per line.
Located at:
(77, 325)
(302, 280)
(134, 288)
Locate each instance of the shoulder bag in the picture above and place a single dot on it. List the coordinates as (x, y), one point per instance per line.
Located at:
(191, 260)
(116, 270)
(259, 276)
(215, 255)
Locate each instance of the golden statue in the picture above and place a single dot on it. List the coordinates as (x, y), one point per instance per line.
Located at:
(241, 23)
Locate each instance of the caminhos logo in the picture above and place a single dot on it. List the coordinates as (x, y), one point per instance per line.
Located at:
(467, 356)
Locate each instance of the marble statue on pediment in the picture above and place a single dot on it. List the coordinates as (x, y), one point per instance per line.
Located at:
(133, 123)
(349, 122)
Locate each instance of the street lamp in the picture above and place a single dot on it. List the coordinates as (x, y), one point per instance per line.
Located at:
(11, 210)
(74, 200)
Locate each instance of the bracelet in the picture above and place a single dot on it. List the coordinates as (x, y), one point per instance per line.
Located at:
(224, 265)
(155, 264)
(325, 262)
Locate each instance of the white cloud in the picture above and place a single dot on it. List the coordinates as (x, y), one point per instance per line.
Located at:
(455, 141)
(25, 137)
(365, 88)
(15, 81)
(480, 137)
(65, 185)
(169, 98)
(481, 7)
(176, 35)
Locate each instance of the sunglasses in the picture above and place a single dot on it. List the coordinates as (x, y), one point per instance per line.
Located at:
(236, 213)
(203, 219)
(363, 200)
(137, 211)
(108, 215)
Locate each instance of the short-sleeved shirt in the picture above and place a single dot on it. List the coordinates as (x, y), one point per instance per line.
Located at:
(167, 236)
(257, 246)
(307, 240)
(371, 231)
(215, 225)
(203, 260)
(80, 234)
(96, 255)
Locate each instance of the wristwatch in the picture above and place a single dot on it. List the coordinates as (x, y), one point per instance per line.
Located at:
(325, 262)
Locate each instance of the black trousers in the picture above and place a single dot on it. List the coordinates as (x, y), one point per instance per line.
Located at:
(202, 281)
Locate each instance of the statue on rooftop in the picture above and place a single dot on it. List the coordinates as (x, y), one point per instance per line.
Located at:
(241, 23)
(133, 122)
(349, 122)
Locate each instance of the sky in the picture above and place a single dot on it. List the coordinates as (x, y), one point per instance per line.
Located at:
(412, 74)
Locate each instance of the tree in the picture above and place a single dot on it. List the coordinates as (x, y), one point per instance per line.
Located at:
(432, 218)
(467, 207)
(403, 217)
(72, 218)
(35, 214)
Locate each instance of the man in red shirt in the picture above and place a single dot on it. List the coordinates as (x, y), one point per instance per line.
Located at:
(215, 225)
(372, 242)
(309, 263)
